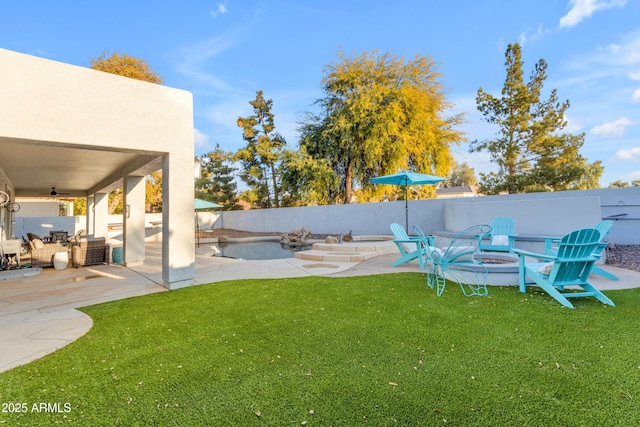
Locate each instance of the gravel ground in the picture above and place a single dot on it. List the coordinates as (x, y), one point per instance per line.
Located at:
(624, 256)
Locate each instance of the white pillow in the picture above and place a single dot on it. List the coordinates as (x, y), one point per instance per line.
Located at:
(546, 268)
(434, 253)
(410, 247)
(38, 244)
(500, 240)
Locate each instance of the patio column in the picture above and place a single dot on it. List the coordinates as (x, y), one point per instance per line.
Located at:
(89, 219)
(178, 228)
(134, 221)
(101, 215)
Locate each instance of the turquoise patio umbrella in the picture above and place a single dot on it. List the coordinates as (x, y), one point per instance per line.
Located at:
(202, 205)
(405, 179)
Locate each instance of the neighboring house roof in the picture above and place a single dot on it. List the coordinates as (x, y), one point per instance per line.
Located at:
(462, 191)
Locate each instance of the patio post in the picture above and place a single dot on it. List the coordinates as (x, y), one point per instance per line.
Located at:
(133, 221)
(101, 215)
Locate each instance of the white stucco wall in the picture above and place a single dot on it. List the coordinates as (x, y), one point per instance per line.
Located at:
(45, 100)
(52, 103)
(542, 213)
(542, 217)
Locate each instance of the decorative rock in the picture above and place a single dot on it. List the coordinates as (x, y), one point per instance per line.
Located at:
(331, 239)
(299, 235)
(347, 238)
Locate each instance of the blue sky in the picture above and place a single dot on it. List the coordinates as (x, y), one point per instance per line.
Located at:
(223, 52)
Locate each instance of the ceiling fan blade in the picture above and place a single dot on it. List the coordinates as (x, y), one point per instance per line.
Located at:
(54, 193)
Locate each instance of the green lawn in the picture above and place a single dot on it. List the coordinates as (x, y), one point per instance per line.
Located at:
(375, 350)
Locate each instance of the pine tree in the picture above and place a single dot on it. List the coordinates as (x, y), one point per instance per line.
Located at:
(262, 155)
(531, 152)
(216, 183)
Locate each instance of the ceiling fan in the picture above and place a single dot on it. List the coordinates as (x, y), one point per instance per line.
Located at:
(55, 193)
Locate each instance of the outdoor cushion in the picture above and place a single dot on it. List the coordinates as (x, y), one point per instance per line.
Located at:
(59, 236)
(461, 253)
(37, 243)
(435, 252)
(546, 268)
(500, 240)
(33, 236)
(409, 247)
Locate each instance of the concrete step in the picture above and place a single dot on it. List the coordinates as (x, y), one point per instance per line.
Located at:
(347, 252)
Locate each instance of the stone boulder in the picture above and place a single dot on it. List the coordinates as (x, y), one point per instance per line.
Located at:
(295, 237)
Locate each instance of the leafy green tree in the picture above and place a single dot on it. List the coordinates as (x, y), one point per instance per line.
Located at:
(79, 206)
(379, 114)
(305, 180)
(624, 184)
(262, 154)
(590, 178)
(216, 183)
(530, 151)
(462, 174)
(619, 184)
(116, 201)
(153, 191)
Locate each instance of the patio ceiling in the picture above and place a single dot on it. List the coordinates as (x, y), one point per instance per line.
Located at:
(34, 167)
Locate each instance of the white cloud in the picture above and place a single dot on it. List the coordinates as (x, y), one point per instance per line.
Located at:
(193, 62)
(631, 154)
(627, 53)
(635, 98)
(634, 75)
(581, 9)
(532, 36)
(221, 8)
(615, 128)
(200, 140)
(572, 126)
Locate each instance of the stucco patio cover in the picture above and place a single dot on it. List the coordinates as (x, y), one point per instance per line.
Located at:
(88, 132)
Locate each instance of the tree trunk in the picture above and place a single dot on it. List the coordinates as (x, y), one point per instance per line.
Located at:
(275, 186)
(348, 181)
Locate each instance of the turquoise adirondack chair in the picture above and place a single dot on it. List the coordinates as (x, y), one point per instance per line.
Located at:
(427, 241)
(501, 238)
(410, 247)
(456, 261)
(603, 227)
(570, 266)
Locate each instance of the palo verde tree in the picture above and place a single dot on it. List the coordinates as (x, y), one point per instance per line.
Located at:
(531, 152)
(153, 191)
(381, 113)
(125, 65)
(216, 183)
(262, 155)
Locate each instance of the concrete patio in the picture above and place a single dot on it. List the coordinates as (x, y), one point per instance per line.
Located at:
(38, 314)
